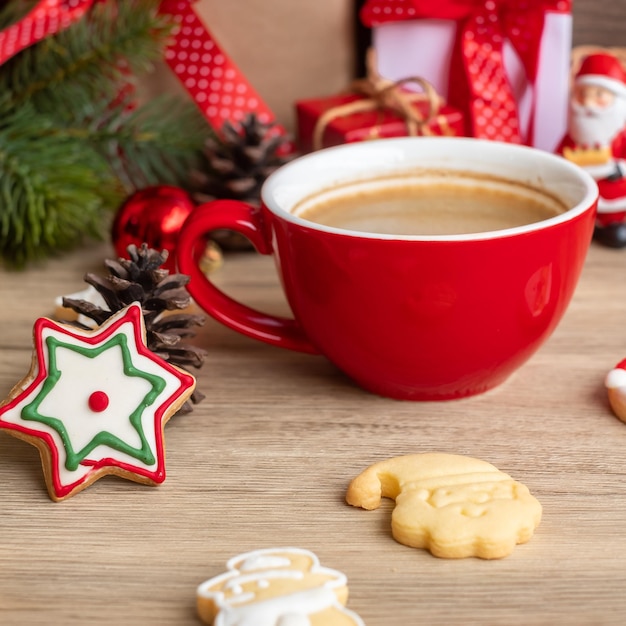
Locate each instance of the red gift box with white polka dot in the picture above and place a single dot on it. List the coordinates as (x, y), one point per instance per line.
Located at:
(377, 123)
(505, 63)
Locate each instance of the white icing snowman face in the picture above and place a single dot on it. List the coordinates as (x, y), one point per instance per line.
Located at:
(262, 575)
(276, 587)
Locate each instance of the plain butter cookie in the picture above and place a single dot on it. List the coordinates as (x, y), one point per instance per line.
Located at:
(454, 506)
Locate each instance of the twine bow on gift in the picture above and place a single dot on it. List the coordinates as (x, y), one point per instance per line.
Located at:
(382, 94)
(478, 79)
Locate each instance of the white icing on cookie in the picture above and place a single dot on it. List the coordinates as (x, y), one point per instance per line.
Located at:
(97, 398)
(234, 598)
(263, 561)
(284, 610)
(90, 294)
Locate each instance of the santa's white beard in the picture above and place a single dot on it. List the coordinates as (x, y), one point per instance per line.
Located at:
(595, 126)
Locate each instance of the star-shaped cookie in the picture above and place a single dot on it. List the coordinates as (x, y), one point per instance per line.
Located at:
(95, 402)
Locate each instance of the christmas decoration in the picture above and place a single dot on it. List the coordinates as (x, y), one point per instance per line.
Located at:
(615, 383)
(74, 141)
(199, 62)
(141, 278)
(152, 215)
(95, 403)
(504, 63)
(596, 135)
(375, 108)
(237, 164)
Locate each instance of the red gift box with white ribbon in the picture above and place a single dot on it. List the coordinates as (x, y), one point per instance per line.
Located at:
(505, 63)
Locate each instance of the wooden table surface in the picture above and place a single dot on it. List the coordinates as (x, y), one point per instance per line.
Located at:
(265, 460)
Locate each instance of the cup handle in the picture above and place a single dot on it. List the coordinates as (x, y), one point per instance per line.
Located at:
(246, 220)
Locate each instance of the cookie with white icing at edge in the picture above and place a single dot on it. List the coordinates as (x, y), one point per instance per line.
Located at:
(285, 586)
(65, 314)
(92, 295)
(95, 402)
(454, 506)
(615, 383)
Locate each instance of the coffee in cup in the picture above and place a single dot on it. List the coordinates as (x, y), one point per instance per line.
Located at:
(429, 203)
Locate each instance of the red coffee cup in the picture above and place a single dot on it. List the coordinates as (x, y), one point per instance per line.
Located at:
(418, 317)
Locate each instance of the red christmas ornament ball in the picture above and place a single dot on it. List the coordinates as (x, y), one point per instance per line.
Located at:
(153, 215)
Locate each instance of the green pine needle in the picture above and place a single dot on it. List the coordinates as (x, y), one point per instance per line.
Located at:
(92, 59)
(52, 199)
(142, 148)
(72, 142)
(11, 12)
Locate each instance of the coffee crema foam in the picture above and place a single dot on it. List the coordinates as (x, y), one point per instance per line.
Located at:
(430, 203)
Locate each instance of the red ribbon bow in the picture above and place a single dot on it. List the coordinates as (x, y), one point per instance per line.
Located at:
(480, 83)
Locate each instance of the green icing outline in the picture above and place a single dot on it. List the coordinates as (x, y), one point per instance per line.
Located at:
(31, 411)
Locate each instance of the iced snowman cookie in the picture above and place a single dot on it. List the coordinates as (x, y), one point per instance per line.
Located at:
(95, 402)
(276, 587)
(454, 506)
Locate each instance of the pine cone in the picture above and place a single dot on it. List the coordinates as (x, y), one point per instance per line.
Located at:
(237, 165)
(141, 279)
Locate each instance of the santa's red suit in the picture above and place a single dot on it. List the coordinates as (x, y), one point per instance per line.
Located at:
(596, 138)
(611, 179)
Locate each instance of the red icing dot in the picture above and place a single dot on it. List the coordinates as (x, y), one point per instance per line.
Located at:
(98, 401)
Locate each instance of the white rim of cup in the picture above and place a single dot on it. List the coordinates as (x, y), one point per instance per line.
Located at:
(277, 184)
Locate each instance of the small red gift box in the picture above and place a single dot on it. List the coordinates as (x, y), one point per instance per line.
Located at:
(376, 108)
(332, 121)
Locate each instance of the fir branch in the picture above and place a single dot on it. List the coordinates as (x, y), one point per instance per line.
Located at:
(158, 143)
(73, 141)
(50, 199)
(11, 12)
(92, 60)
(81, 77)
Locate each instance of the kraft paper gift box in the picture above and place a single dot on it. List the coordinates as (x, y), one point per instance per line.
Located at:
(505, 63)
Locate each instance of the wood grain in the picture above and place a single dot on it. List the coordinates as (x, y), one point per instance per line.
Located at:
(599, 22)
(265, 460)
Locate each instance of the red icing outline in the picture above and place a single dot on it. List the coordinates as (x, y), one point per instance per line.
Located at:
(133, 314)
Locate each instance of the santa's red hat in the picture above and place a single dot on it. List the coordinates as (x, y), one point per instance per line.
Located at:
(603, 70)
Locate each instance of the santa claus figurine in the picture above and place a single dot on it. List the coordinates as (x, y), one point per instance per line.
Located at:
(596, 139)
(615, 383)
